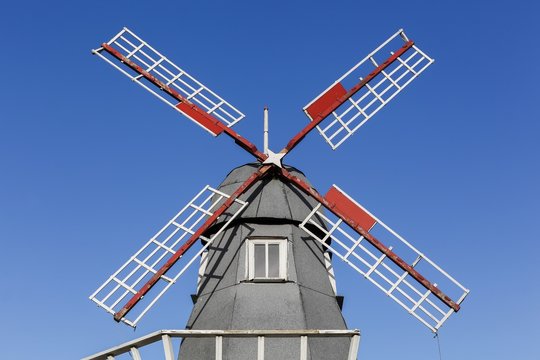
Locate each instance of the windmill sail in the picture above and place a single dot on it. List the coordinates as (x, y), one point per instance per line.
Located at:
(401, 279)
(352, 233)
(146, 262)
(144, 65)
(366, 88)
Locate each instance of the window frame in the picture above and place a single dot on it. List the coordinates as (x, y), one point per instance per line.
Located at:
(250, 258)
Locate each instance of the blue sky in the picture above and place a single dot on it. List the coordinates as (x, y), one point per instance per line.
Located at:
(91, 165)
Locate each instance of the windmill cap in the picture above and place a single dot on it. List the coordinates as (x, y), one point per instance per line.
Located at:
(270, 199)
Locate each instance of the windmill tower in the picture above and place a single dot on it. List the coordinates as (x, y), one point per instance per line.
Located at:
(266, 288)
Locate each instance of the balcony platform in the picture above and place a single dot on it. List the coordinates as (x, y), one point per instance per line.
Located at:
(149, 344)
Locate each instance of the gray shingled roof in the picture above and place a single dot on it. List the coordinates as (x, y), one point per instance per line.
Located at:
(269, 198)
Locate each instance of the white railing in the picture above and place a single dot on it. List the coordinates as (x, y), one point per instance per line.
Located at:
(133, 349)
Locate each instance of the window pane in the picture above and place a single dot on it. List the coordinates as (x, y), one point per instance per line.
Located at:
(273, 260)
(259, 260)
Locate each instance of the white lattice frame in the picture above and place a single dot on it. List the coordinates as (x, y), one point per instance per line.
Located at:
(333, 226)
(172, 79)
(377, 98)
(361, 111)
(171, 280)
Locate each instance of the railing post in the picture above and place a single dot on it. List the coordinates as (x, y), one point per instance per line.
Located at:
(219, 347)
(260, 348)
(135, 354)
(303, 347)
(167, 347)
(353, 348)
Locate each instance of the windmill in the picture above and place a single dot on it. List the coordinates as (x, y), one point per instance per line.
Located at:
(267, 237)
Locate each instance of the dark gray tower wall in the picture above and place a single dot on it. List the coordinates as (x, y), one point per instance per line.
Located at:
(227, 299)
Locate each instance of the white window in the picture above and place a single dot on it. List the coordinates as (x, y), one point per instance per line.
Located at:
(267, 259)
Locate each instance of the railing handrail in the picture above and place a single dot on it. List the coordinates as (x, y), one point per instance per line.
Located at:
(161, 334)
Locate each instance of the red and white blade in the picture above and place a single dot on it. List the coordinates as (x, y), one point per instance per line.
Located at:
(366, 88)
(153, 71)
(397, 268)
(134, 274)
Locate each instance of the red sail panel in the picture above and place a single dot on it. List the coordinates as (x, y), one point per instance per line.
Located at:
(350, 209)
(325, 103)
(198, 115)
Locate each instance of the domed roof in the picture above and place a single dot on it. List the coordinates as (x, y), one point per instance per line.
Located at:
(269, 198)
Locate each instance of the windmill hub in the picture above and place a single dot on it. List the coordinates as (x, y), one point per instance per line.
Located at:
(274, 158)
